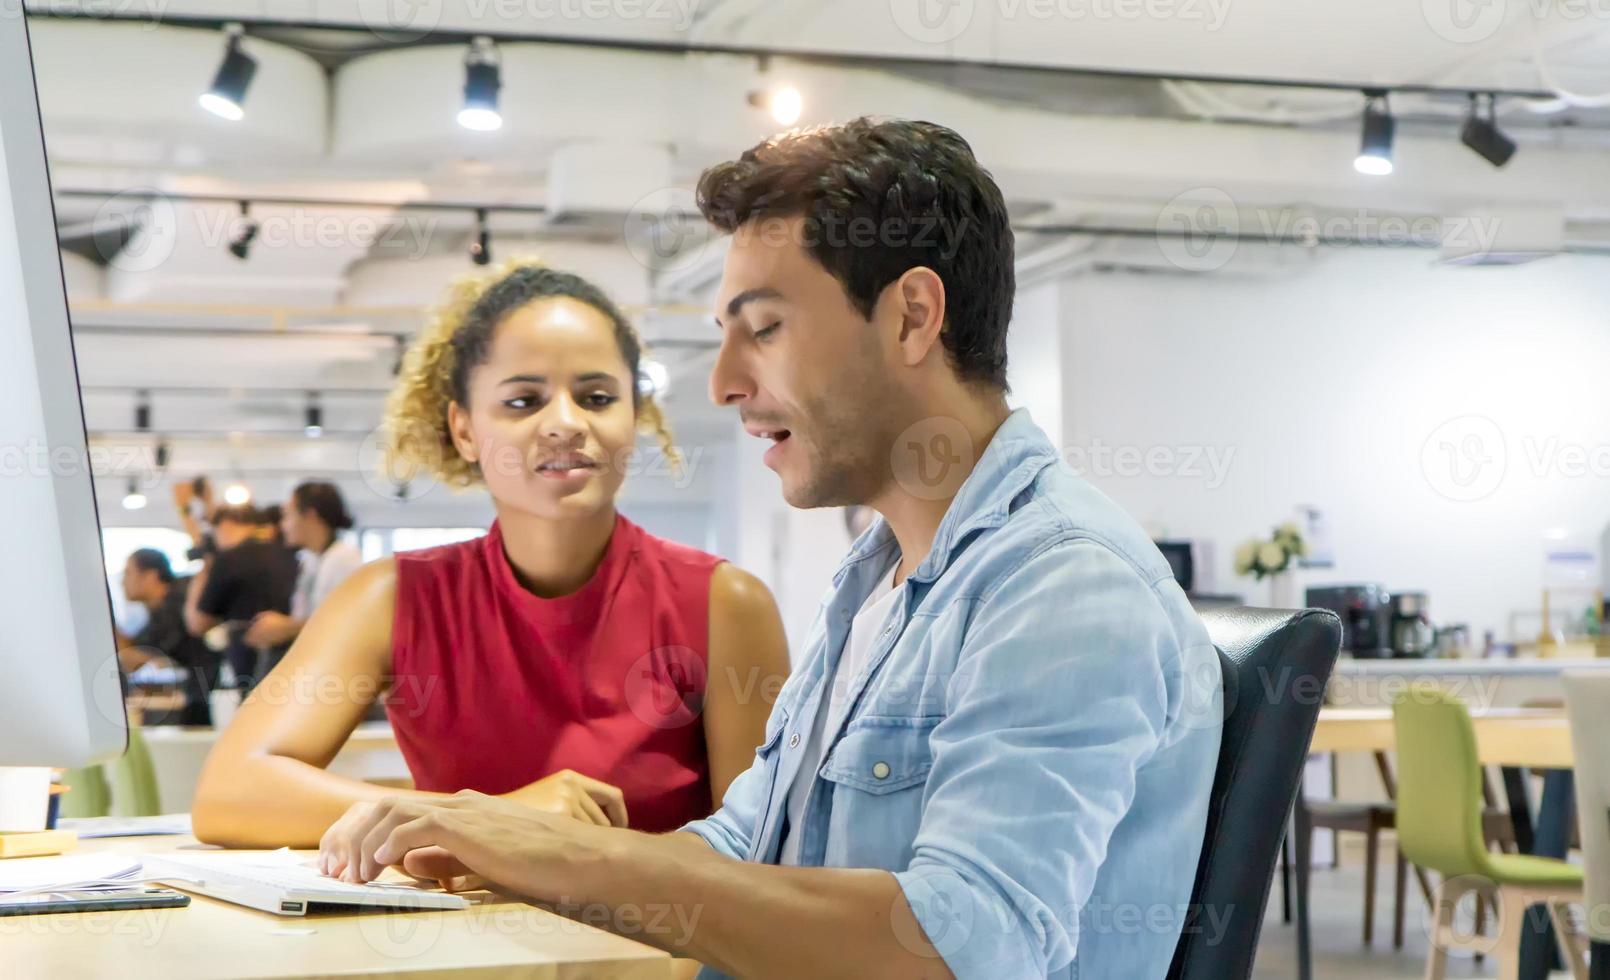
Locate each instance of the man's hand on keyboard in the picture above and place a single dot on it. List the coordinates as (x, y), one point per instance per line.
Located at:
(511, 847)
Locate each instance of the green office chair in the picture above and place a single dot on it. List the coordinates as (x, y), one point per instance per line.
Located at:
(131, 789)
(1440, 828)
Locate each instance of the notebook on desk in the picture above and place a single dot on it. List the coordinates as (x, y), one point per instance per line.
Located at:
(285, 884)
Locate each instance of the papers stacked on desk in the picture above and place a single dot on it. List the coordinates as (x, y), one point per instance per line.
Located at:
(170, 824)
(73, 873)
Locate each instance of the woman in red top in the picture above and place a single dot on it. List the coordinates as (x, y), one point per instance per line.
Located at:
(567, 660)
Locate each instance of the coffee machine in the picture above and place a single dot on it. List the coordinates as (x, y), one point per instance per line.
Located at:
(1412, 633)
(1364, 612)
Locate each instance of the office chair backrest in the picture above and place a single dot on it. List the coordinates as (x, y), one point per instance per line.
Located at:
(1587, 698)
(1276, 663)
(1439, 800)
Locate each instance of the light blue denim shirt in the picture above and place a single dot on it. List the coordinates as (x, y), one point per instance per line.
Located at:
(1031, 745)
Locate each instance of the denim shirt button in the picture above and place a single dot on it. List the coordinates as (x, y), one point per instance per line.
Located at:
(880, 771)
(793, 741)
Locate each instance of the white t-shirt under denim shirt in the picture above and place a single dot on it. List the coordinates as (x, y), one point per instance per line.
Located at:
(864, 635)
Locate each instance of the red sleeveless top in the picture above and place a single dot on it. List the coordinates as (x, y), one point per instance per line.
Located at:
(494, 688)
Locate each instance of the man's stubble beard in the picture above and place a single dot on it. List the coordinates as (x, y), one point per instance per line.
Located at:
(847, 453)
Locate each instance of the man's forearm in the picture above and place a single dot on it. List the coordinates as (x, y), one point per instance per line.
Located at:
(195, 621)
(758, 920)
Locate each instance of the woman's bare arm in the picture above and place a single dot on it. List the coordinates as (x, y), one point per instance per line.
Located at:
(748, 663)
(265, 783)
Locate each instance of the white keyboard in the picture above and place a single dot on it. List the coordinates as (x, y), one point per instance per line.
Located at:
(279, 882)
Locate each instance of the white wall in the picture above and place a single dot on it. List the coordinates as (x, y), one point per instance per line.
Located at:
(1335, 387)
(1034, 354)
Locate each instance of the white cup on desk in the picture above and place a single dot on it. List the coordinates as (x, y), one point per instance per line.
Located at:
(24, 798)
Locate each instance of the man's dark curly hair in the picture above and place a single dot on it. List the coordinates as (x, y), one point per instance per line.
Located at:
(879, 198)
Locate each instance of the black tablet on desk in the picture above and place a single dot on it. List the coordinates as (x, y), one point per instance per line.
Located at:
(46, 903)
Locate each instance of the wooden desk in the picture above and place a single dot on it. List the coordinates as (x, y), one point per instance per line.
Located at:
(1526, 737)
(215, 939)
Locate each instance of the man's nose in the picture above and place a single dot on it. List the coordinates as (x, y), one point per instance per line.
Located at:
(729, 380)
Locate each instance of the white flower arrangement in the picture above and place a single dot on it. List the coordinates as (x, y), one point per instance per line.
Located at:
(1260, 558)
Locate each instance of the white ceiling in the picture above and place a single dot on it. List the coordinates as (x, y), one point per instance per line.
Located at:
(344, 115)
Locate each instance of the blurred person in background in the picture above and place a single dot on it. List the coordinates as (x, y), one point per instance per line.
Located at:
(148, 580)
(242, 576)
(311, 522)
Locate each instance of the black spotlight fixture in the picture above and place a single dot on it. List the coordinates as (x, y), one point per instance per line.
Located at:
(241, 245)
(314, 419)
(483, 78)
(142, 411)
(163, 454)
(481, 246)
(227, 96)
(1375, 147)
(1482, 134)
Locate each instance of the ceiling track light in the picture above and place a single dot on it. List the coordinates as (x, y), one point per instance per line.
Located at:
(241, 245)
(784, 102)
(163, 454)
(1375, 145)
(142, 411)
(134, 499)
(1483, 135)
(483, 79)
(227, 96)
(314, 417)
(481, 245)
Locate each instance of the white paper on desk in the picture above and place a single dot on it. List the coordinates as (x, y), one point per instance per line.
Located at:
(73, 872)
(169, 824)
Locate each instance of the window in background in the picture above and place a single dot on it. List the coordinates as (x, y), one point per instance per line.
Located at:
(378, 542)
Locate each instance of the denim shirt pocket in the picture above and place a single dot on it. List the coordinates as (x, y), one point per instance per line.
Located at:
(882, 755)
(879, 773)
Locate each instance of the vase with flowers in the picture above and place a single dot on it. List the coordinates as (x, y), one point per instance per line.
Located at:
(1274, 558)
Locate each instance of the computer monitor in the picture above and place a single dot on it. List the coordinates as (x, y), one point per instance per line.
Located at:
(61, 698)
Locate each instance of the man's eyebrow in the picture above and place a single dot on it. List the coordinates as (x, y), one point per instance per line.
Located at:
(749, 296)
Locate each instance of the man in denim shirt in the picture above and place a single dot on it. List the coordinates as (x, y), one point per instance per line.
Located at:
(995, 756)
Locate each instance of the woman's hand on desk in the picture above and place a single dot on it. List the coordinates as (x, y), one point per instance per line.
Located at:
(570, 794)
(510, 846)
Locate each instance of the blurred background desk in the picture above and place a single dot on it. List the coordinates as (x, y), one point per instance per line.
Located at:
(178, 754)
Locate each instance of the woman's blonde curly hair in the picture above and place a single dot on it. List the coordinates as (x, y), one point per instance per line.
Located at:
(436, 368)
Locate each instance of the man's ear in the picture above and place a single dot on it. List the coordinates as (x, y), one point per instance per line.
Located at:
(458, 426)
(919, 299)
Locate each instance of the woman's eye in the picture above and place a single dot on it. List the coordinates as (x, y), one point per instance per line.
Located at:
(767, 331)
(600, 399)
(521, 403)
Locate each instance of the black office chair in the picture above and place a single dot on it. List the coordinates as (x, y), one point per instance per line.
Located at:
(1276, 663)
